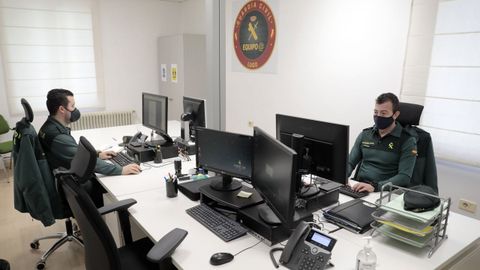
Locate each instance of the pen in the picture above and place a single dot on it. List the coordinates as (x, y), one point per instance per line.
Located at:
(166, 180)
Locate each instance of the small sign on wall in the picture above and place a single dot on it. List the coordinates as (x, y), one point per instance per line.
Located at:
(163, 71)
(174, 73)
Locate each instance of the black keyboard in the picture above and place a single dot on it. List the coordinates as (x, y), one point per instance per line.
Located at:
(347, 190)
(220, 225)
(122, 159)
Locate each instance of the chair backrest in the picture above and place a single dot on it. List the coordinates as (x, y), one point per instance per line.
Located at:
(100, 248)
(34, 185)
(409, 114)
(4, 128)
(425, 171)
(27, 109)
(84, 161)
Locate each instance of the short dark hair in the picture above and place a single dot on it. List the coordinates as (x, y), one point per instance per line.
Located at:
(56, 98)
(385, 97)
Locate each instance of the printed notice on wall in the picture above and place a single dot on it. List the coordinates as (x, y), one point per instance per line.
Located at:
(163, 71)
(174, 73)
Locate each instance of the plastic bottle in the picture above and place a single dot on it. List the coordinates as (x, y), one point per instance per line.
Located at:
(366, 258)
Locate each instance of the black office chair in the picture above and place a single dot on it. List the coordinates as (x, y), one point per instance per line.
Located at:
(425, 171)
(100, 250)
(34, 185)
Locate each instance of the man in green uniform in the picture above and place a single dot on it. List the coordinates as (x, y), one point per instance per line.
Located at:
(386, 152)
(59, 145)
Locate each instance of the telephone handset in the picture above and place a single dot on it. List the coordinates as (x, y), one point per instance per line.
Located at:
(307, 248)
(138, 139)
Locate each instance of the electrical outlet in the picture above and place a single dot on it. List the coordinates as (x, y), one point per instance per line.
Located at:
(250, 123)
(467, 205)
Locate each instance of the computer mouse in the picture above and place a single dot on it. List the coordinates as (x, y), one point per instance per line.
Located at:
(221, 258)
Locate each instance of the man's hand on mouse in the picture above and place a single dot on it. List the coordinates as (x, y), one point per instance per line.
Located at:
(107, 154)
(131, 169)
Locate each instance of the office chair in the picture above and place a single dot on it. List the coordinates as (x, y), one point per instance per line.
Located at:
(101, 251)
(5, 147)
(425, 170)
(34, 185)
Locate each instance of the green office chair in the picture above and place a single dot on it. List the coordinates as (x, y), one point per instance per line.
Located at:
(5, 147)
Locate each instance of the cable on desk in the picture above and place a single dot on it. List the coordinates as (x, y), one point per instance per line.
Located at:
(158, 166)
(272, 257)
(247, 248)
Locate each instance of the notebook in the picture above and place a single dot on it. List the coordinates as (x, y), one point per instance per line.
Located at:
(355, 215)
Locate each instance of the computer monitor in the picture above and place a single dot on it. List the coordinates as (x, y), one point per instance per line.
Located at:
(155, 116)
(322, 147)
(194, 111)
(273, 176)
(228, 154)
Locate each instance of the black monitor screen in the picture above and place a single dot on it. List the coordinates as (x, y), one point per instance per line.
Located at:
(194, 111)
(223, 152)
(274, 174)
(154, 112)
(325, 145)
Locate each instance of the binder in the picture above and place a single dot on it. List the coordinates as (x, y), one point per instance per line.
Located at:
(355, 215)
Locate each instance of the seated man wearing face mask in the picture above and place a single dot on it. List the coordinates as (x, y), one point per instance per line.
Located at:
(386, 152)
(60, 146)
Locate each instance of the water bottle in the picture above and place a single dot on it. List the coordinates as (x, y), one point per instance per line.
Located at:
(366, 258)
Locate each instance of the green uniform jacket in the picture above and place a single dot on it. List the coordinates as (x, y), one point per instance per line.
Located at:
(382, 160)
(60, 148)
(34, 185)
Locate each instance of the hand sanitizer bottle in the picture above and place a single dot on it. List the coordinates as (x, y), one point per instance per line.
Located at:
(366, 258)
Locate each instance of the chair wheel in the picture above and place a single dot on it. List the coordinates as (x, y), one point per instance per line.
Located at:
(35, 245)
(40, 265)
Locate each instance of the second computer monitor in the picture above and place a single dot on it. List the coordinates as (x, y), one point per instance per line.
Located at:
(194, 111)
(228, 154)
(155, 116)
(324, 149)
(274, 177)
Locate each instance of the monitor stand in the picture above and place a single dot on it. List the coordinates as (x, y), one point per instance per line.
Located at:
(163, 139)
(308, 191)
(225, 183)
(229, 198)
(267, 215)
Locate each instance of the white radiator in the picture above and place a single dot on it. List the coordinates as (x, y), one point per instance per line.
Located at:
(103, 119)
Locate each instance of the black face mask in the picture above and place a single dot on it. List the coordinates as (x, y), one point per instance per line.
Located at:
(74, 115)
(383, 122)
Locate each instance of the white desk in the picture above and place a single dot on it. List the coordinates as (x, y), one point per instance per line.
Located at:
(157, 215)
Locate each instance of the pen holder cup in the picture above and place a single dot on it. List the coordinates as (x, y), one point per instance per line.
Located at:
(172, 189)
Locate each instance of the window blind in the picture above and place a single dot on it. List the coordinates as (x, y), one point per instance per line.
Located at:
(48, 44)
(442, 72)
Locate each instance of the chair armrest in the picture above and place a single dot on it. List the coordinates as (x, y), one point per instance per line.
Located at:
(167, 245)
(117, 206)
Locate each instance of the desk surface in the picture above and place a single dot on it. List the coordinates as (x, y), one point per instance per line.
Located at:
(156, 215)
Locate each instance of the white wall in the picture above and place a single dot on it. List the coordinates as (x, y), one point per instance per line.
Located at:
(129, 31)
(334, 58)
(193, 17)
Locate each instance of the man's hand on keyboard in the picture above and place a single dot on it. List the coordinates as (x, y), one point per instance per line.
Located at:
(360, 186)
(131, 169)
(107, 154)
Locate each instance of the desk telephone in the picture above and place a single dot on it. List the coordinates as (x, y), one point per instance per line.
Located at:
(138, 139)
(307, 248)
